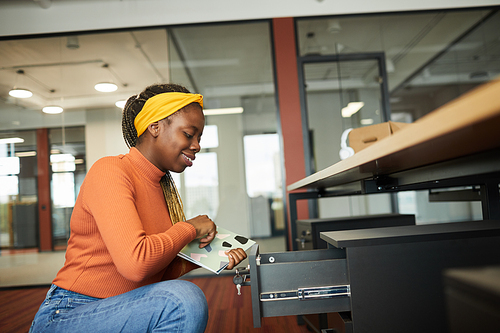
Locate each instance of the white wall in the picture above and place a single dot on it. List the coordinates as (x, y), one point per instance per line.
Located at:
(103, 134)
(22, 17)
(233, 211)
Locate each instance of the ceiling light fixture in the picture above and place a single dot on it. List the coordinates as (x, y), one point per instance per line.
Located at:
(121, 103)
(52, 109)
(213, 112)
(11, 140)
(72, 42)
(333, 26)
(109, 86)
(351, 109)
(26, 154)
(20, 93)
(17, 92)
(106, 87)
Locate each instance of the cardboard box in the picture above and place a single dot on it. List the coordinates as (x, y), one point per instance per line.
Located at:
(362, 137)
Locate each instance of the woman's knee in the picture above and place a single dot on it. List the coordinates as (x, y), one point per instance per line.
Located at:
(190, 304)
(189, 294)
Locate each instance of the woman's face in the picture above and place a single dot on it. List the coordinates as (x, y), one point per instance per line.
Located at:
(178, 139)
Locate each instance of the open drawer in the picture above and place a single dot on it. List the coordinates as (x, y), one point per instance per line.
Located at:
(298, 282)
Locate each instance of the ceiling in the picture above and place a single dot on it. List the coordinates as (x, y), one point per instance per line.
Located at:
(64, 70)
(450, 46)
(229, 63)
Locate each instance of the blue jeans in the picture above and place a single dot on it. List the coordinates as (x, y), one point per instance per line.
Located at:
(169, 306)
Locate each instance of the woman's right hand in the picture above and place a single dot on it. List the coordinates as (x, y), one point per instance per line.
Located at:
(205, 229)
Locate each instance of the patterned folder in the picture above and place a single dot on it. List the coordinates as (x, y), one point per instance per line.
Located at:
(212, 256)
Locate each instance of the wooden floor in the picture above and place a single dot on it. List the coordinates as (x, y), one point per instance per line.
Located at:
(228, 312)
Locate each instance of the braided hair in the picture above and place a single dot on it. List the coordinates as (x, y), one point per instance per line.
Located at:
(132, 107)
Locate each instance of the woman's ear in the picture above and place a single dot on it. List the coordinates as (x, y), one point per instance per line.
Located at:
(153, 129)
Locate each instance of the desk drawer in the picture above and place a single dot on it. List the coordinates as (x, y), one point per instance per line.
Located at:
(298, 282)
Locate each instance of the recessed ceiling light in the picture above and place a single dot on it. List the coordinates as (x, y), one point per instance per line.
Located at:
(213, 112)
(20, 93)
(11, 140)
(25, 153)
(52, 109)
(351, 109)
(106, 87)
(121, 103)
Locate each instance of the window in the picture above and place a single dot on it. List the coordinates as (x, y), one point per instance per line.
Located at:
(18, 190)
(262, 165)
(67, 162)
(202, 186)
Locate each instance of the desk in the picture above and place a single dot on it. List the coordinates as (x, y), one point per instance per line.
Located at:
(456, 145)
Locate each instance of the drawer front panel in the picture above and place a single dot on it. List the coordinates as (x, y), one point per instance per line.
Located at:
(302, 287)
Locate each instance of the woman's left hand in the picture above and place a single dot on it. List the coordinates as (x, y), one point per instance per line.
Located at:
(235, 256)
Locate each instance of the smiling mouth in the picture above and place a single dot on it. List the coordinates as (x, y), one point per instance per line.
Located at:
(189, 161)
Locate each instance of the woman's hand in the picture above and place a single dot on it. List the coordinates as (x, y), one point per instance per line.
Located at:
(205, 229)
(235, 256)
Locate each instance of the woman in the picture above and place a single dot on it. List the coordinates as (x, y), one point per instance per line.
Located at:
(128, 225)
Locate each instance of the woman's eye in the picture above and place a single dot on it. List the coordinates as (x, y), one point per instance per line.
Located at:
(189, 136)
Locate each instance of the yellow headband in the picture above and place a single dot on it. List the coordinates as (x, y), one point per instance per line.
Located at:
(161, 106)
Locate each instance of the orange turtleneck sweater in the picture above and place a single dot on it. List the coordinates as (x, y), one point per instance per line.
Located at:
(122, 237)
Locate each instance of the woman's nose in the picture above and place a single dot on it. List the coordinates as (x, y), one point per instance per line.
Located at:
(196, 146)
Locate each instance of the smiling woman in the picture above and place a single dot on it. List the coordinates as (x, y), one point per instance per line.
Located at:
(149, 111)
(175, 140)
(128, 226)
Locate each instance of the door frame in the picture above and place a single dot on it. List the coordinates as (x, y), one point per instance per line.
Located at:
(307, 141)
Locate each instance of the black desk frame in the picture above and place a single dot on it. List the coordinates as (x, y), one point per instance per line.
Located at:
(482, 169)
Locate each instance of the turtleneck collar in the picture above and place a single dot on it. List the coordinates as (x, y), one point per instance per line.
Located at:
(145, 167)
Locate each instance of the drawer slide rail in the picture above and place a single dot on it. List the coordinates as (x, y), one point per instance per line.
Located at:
(307, 293)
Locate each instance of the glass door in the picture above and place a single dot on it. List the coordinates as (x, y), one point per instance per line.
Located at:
(341, 92)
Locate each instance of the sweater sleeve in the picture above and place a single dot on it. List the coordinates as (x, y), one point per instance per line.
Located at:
(109, 197)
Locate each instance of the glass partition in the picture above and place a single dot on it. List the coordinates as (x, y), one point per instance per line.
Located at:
(67, 166)
(437, 54)
(18, 190)
(431, 58)
(230, 64)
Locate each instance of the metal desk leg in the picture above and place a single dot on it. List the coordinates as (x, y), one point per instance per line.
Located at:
(292, 198)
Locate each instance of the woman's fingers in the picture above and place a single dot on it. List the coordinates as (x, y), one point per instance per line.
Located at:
(235, 257)
(205, 228)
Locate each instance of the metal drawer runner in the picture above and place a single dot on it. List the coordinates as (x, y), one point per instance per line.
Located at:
(298, 282)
